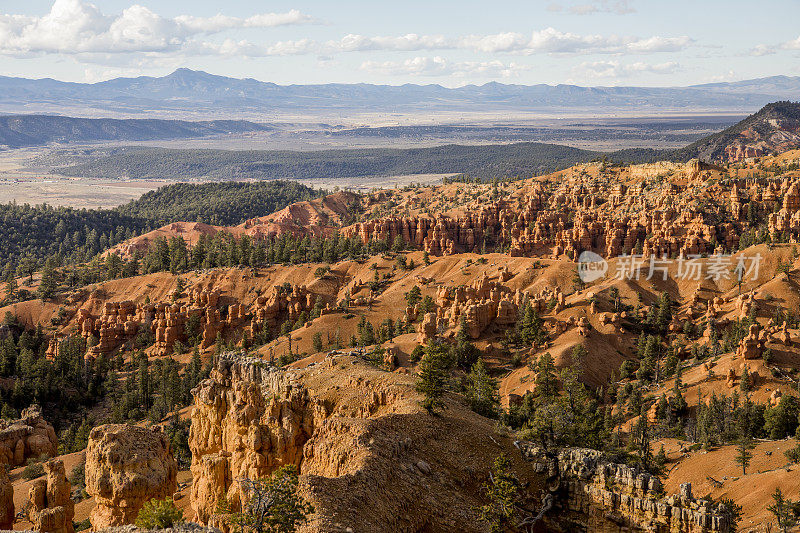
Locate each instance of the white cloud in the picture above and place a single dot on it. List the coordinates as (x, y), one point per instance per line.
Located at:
(615, 69)
(769, 49)
(76, 26)
(659, 44)
(439, 66)
(546, 41)
(791, 45)
(409, 42)
(728, 76)
(554, 41)
(762, 50)
(221, 22)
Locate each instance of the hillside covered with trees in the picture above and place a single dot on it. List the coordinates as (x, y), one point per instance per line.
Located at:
(30, 234)
(486, 162)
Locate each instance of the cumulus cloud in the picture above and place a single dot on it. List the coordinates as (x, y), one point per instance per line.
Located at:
(439, 66)
(769, 49)
(791, 45)
(409, 42)
(554, 41)
(76, 26)
(546, 41)
(616, 69)
(221, 22)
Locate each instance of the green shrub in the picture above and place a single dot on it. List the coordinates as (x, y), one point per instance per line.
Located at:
(33, 469)
(83, 525)
(159, 514)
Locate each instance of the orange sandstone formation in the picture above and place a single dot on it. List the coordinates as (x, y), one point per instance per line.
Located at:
(29, 436)
(127, 466)
(50, 507)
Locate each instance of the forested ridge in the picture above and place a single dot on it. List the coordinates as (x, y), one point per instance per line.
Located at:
(486, 162)
(517, 160)
(30, 234)
(33, 130)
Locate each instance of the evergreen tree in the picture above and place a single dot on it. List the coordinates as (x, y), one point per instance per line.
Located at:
(317, 341)
(743, 455)
(502, 490)
(413, 296)
(272, 505)
(745, 382)
(782, 510)
(49, 282)
(641, 434)
(482, 391)
(433, 372)
(546, 383)
(678, 401)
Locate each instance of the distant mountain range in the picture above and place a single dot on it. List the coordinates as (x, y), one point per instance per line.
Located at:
(187, 91)
(18, 131)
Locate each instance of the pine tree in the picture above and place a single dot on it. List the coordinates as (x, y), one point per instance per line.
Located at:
(11, 287)
(433, 371)
(546, 384)
(317, 341)
(502, 490)
(49, 282)
(413, 296)
(745, 383)
(743, 455)
(642, 434)
(482, 391)
(661, 457)
(145, 387)
(782, 510)
(678, 401)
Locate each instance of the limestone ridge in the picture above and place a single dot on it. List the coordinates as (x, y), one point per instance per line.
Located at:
(591, 493)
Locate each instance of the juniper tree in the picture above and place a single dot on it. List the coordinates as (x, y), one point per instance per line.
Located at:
(271, 505)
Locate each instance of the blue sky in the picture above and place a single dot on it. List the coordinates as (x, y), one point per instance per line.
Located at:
(585, 42)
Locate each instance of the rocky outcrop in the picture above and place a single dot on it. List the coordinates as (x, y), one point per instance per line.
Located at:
(369, 457)
(118, 323)
(751, 346)
(592, 494)
(125, 467)
(184, 527)
(6, 500)
(285, 303)
(427, 328)
(50, 507)
(29, 436)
